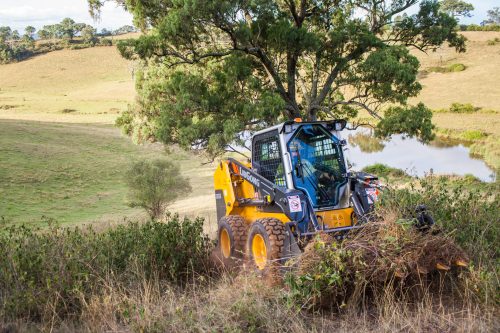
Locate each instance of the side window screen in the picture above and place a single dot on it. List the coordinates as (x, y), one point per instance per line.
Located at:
(267, 160)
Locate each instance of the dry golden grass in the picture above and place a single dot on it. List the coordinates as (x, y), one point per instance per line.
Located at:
(90, 85)
(485, 122)
(478, 84)
(245, 304)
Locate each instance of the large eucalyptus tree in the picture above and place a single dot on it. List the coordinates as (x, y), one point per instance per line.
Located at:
(216, 67)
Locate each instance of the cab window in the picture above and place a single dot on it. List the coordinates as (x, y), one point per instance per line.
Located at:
(267, 160)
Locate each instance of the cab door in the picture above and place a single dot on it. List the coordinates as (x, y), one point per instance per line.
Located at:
(267, 157)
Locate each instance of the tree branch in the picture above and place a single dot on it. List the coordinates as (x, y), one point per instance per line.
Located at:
(362, 105)
(293, 11)
(233, 150)
(333, 75)
(292, 106)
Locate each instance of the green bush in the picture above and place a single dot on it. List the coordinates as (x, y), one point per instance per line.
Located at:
(473, 135)
(382, 170)
(80, 46)
(155, 184)
(105, 42)
(493, 41)
(54, 272)
(326, 281)
(448, 69)
(463, 108)
(469, 213)
(457, 67)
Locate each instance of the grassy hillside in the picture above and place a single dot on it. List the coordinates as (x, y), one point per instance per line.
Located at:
(73, 172)
(80, 86)
(94, 84)
(477, 84)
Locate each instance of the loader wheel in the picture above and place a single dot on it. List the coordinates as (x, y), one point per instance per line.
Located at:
(232, 236)
(265, 244)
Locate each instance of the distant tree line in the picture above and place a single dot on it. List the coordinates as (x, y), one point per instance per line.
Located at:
(67, 29)
(13, 46)
(460, 9)
(492, 23)
(120, 31)
(66, 34)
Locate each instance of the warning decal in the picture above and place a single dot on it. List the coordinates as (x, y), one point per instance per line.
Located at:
(295, 205)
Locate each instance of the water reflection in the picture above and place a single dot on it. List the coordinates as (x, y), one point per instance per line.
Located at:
(417, 159)
(366, 142)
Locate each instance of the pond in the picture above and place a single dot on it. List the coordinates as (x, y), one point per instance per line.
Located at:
(414, 157)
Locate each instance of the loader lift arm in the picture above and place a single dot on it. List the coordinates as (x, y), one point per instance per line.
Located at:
(275, 195)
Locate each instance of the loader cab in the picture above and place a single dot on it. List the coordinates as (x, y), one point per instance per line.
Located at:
(304, 156)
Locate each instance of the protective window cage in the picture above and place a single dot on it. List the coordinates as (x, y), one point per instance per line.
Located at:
(327, 153)
(267, 160)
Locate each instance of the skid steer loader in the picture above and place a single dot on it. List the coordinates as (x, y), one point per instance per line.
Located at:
(296, 185)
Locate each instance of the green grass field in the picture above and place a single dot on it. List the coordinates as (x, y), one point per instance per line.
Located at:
(73, 172)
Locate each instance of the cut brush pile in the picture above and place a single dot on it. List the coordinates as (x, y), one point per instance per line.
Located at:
(386, 254)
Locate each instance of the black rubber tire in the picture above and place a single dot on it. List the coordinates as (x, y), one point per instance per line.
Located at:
(274, 234)
(237, 228)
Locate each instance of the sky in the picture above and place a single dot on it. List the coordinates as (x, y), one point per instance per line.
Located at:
(19, 13)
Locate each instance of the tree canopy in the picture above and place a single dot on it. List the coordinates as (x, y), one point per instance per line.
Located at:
(13, 46)
(457, 8)
(494, 15)
(216, 68)
(153, 185)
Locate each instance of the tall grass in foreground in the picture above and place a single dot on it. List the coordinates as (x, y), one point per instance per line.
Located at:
(158, 276)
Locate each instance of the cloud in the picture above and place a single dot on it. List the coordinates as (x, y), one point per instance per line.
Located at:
(40, 13)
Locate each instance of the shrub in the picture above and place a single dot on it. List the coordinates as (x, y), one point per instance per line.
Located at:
(470, 214)
(55, 272)
(463, 108)
(105, 42)
(322, 279)
(474, 27)
(154, 185)
(80, 46)
(448, 69)
(457, 67)
(494, 41)
(383, 170)
(473, 135)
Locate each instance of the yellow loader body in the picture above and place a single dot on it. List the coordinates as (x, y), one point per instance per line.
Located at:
(232, 186)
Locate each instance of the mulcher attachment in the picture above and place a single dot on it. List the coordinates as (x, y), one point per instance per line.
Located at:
(455, 257)
(424, 219)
